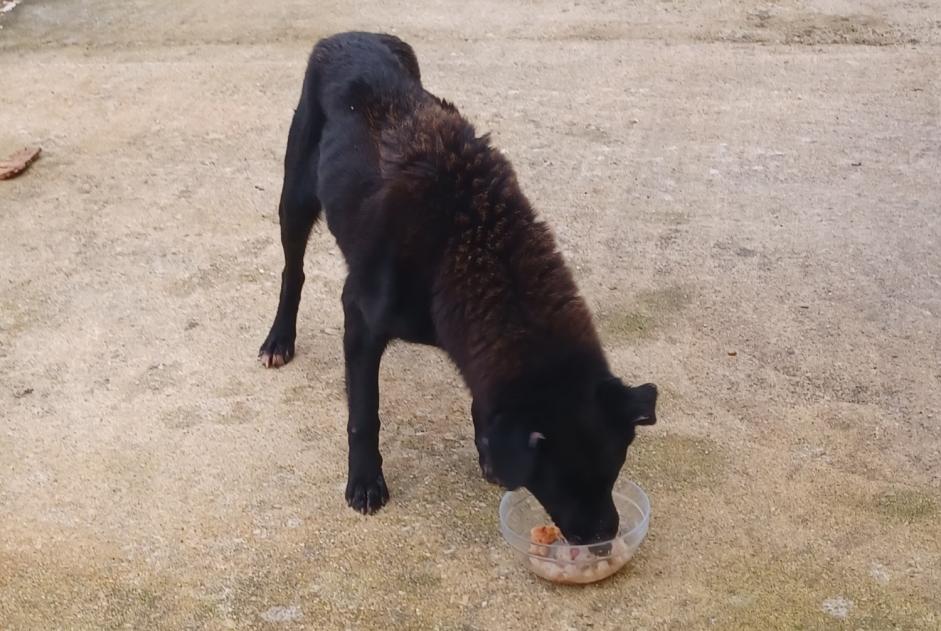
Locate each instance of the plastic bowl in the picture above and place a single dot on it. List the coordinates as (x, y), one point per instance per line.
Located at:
(564, 563)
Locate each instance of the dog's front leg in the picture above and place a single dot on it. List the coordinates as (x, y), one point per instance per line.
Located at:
(480, 429)
(366, 490)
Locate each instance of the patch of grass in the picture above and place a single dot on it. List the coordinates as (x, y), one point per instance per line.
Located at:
(675, 462)
(626, 325)
(906, 505)
(63, 595)
(788, 592)
(416, 581)
(650, 311)
(309, 434)
(666, 300)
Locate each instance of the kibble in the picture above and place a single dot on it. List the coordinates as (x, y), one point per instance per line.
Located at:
(555, 561)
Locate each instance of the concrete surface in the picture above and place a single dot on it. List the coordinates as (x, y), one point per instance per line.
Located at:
(756, 178)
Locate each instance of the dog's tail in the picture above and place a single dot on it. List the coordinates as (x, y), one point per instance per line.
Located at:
(403, 52)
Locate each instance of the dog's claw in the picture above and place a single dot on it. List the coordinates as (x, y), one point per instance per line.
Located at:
(367, 497)
(489, 477)
(486, 472)
(276, 351)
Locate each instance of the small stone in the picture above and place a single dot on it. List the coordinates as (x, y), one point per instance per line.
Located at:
(837, 607)
(879, 573)
(282, 614)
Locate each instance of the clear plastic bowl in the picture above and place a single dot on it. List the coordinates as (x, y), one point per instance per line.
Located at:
(564, 563)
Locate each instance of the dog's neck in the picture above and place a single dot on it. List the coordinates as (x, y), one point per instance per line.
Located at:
(506, 306)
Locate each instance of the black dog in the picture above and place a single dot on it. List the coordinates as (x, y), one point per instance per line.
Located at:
(443, 249)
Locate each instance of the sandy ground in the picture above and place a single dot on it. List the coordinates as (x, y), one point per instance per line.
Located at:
(726, 177)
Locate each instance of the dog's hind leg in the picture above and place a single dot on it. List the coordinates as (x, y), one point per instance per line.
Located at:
(298, 211)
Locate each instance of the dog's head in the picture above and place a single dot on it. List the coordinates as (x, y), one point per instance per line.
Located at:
(569, 457)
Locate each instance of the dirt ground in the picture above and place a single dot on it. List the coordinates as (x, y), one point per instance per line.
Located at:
(749, 194)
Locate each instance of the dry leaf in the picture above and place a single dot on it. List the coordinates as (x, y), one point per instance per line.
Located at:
(18, 162)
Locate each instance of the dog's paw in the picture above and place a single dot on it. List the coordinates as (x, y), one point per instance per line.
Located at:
(365, 494)
(489, 477)
(277, 350)
(487, 473)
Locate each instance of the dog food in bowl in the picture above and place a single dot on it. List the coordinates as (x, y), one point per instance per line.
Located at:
(523, 523)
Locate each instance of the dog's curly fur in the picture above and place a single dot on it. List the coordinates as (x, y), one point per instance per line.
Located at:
(444, 249)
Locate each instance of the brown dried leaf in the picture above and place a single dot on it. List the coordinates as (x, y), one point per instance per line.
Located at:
(18, 162)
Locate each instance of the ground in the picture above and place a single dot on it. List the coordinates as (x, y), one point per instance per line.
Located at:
(748, 193)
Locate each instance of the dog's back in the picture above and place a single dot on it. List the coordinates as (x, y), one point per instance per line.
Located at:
(413, 194)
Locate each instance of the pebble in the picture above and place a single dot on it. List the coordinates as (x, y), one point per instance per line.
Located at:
(837, 607)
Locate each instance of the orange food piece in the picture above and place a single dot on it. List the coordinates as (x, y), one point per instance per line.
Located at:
(545, 535)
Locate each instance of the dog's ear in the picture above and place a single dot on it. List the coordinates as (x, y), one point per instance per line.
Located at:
(634, 405)
(510, 450)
